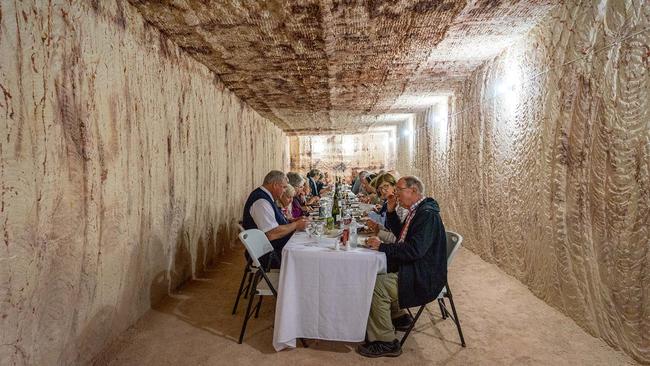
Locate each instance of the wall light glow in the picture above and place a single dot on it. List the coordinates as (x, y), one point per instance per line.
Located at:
(508, 89)
(348, 144)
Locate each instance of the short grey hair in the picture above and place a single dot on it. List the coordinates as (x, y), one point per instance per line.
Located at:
(275, 176)
(295, 179)
(414, 182)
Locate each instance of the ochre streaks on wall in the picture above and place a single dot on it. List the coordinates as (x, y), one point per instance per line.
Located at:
(124, 164)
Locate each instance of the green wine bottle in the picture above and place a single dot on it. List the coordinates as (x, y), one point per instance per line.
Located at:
(336, 209)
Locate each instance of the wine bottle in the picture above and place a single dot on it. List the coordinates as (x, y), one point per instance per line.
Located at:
(336, 209)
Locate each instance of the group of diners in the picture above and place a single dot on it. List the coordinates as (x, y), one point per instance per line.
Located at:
(405, 225)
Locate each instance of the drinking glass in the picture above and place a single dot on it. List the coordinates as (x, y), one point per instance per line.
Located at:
(319, 230)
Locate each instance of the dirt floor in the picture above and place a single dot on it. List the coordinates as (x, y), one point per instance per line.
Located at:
(503, 323)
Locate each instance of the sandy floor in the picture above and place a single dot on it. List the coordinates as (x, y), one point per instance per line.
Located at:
(503, 323)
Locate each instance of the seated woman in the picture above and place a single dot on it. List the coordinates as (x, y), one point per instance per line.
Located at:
(301, 201)
(299, 206)
(368, 193)
(386, 187)
(284, 202)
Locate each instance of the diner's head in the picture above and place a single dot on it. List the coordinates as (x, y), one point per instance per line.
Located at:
(287, 196)
(314, 173)
(275, 182)
(295, 180)
(386, 185)
(409, 189)
(368, 179)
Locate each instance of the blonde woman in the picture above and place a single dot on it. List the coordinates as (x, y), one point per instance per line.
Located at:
(284, 202)
(386, 187)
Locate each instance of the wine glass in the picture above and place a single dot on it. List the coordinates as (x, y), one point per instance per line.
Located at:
(319, 230)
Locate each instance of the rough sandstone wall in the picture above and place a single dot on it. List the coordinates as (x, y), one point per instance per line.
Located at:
(405, 150)
(548, 175)
(123, 164)
(334, 153)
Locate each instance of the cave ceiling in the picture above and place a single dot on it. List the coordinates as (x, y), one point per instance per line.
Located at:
(326, 66)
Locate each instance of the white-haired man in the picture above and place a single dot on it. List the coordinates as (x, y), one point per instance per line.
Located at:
(420, 258)
(261, 212)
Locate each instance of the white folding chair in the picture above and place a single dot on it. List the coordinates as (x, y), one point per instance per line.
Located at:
(454, 241)
(249, 271)
(264, 283)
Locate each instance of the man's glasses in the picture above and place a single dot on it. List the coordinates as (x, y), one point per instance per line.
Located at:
(399, 189)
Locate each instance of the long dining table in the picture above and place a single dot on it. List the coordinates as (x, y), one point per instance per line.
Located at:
(324, 293)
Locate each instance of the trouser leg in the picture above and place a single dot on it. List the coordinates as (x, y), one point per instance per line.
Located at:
(395, 311)
(380, 327)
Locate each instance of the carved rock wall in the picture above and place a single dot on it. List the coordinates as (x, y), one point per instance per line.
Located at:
(124, 163)
(544, 166)
(338, 154)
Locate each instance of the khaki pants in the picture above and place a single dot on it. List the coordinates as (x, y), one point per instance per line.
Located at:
(383, 309)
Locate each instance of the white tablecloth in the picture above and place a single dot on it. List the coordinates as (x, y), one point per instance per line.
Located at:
(324, 294)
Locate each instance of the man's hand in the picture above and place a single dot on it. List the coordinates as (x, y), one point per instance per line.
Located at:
(391, 202)
(301, 223)
(373, 243)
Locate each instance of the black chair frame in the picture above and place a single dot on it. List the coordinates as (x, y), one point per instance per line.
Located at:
(247, 278)
(445, 313)
(257, 277)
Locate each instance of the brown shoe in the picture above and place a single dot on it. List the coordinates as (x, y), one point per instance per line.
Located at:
(380, 349)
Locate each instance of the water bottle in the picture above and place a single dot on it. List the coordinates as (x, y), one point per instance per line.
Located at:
(352, 243)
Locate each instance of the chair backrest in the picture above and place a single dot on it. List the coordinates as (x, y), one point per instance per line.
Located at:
(454, 240)
(256, 243)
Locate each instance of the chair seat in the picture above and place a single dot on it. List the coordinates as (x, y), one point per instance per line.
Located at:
(263, 288)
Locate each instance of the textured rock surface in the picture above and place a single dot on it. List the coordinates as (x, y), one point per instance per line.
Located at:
(544, 166)
(123, 164)
(338, 153)
(321, 64)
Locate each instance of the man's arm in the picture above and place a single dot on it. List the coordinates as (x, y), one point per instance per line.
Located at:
(282, 230)
(418, 242)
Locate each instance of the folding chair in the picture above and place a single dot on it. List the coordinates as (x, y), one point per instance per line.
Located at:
(264, 284)
(247, 278)
(454, 241)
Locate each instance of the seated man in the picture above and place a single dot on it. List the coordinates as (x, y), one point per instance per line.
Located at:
(420, 257)
(261, 212)
(356, 185)
(311, 180)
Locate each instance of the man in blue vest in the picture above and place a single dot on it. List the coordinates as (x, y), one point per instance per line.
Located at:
(261, 212)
